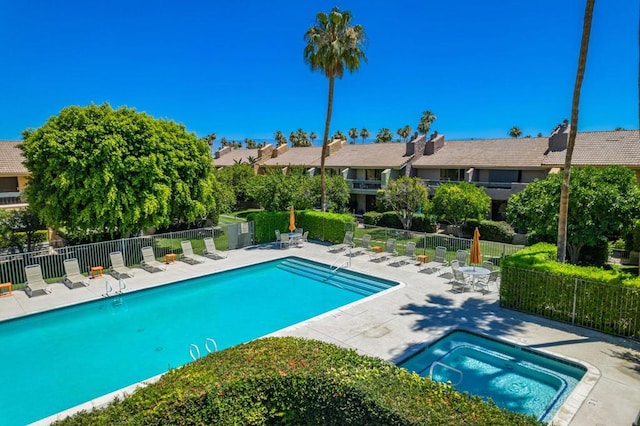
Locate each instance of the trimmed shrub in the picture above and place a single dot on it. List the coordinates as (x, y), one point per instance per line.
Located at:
(294, 381)
(501, 232)
(371, 218)
(321, 226)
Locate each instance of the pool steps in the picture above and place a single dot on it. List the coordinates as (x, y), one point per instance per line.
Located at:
(336, 277)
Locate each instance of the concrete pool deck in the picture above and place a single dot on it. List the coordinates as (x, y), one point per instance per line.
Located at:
(397, 323)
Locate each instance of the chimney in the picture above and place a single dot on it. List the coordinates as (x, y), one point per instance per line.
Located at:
(415, 149)
(559, 138)
(265, 152)
(281, 150)
(222, 151)
(334, 146)
(434, 144)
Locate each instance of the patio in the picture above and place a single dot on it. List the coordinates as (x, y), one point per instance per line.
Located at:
(395, 324)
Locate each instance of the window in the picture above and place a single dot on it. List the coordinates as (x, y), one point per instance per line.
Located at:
(452, 174)
(507, 176)
(9, 184)
(374, 174)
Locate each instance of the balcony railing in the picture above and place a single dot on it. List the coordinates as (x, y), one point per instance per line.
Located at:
(7, 198)
(501, 185)
(369, 185)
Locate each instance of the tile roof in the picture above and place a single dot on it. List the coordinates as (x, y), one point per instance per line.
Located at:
(308, 156)
(605, 148)
(373, 156)
(11, 159)
(230, 158)
(487, 153)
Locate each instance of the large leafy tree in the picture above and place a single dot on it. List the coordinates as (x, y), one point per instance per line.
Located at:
(333, 45)
(19, 229)
(458, 203)
(405, 196)
(603, 202)
(566, 180)
(237, 179)
(116, 171)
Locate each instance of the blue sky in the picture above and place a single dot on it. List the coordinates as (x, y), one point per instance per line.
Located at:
(236, 68)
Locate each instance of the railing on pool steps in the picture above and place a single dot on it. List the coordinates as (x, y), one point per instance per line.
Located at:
(108, 288)
(448, 367)
(209, 344)
(346, 263)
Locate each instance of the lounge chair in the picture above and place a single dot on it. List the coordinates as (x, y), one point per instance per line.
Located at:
(72, 275)
(188, 256)
(488, 265)
(278, 237)
(409, 255)
(439, 261)
(389, 250)
(365, 246)
(211, 251)
(346, 242)
(118, 269)
(149, 262)
(35, 282)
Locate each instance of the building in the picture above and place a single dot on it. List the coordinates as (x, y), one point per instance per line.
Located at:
(13, 175)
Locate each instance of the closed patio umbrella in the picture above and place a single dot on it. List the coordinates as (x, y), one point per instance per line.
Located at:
(476, 256)
(292, 220)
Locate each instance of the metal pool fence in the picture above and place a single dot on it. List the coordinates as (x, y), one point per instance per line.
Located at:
(97, 254)
(611, 308)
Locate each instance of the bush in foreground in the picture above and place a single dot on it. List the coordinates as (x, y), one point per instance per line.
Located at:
(296, 381)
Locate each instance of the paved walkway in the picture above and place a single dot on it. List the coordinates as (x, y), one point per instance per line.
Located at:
(398, 322)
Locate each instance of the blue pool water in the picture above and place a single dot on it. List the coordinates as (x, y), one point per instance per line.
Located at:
(59, 359)
(514, 377)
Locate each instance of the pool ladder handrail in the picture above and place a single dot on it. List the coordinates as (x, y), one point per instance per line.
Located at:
(194, 350)
(108, 288)
(447, 367)
(345, 263)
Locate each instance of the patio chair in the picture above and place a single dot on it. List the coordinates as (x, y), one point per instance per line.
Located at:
(459, 281)
(346, 242)
(365, 246)
(409, 255)
(488, 265)
(211, 251)
(439, 261)
(35, 282)
(388, 251)
(484, 282)
(461, 257)
(118, 269)
(285, 241)
(300, 242)
(188, 256)
(278, 237)
(149, 262)
(72, 275)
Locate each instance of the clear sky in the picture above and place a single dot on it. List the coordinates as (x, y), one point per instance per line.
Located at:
(235, 68)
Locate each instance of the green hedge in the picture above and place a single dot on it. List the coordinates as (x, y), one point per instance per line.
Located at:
(533, 281)
(292, 381)
(489, 230)
(321, 226)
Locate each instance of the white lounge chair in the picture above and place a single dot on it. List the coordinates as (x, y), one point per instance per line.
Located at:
(365, 246)
(346, 242)
(409, 255)
(35, 282)
(439, 261)
(118, 269)
(211, 251)
(149, 262)
(188, 256)
(72, 275)
(388, 251)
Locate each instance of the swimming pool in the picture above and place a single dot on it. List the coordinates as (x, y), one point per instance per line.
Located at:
(514, 377)
(59, 359)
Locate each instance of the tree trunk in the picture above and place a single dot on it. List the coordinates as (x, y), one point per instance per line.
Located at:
(325, 147)
(566, 178)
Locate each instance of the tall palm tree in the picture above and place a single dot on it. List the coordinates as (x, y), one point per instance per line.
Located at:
(313, 137)
(353, 134)
(384, 135)
(280, 138)
(566, 177)
(333, 44)
(425, 122)
(364, 134)
(515, 132)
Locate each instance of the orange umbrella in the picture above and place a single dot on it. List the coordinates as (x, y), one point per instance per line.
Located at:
(476, 256)
(292, 220)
